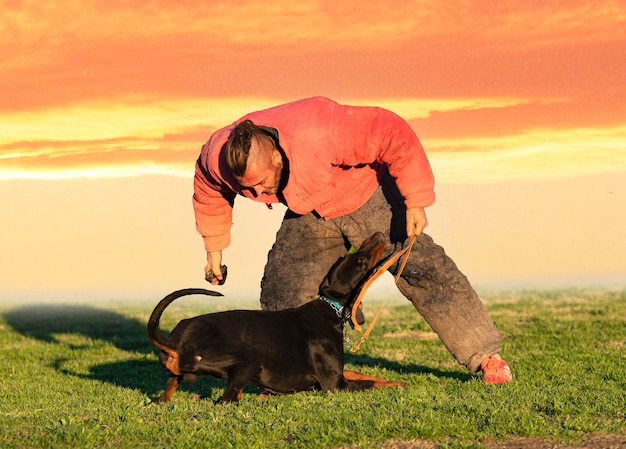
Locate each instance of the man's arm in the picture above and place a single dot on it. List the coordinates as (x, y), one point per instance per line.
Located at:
(364, 135)
(213, 207)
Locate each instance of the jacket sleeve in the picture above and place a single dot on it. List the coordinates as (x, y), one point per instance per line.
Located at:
(371, 134)
(213, 208)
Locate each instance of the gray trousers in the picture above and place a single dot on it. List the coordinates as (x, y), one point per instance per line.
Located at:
(307, 246)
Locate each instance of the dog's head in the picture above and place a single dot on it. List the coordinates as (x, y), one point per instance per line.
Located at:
(350, 271)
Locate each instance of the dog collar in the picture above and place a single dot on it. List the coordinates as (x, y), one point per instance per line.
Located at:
(338, 308)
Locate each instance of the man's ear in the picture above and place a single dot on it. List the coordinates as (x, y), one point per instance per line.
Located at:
(276, 157)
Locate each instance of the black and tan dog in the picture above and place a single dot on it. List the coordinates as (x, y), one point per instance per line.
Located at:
(280, 351)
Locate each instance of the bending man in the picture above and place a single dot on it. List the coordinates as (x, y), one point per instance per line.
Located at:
(344, 172)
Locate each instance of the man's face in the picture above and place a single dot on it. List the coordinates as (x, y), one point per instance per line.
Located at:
(263, 169)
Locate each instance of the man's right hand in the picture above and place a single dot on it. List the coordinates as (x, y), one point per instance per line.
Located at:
(214, 268)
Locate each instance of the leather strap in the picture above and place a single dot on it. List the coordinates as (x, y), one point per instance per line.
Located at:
(375, 275)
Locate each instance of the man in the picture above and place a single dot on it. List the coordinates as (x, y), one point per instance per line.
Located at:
(344, 172)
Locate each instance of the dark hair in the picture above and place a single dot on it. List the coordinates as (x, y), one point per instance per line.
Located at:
(238, 145)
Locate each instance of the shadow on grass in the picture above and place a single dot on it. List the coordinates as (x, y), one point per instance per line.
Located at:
(390, 365)
(150, 378)
(146, 376)
(47, 322)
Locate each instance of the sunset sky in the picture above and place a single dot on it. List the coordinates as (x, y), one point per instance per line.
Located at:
(104, 106)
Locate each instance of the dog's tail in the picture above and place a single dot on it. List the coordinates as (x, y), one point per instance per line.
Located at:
(154, 329)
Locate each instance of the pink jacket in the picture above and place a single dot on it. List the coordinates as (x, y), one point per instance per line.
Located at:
(336, 156)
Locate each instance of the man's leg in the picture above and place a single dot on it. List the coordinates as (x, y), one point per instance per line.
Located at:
(305, 249)
(447, 301)
(431, 281)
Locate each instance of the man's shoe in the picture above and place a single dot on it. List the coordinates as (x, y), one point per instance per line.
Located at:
(495, 371)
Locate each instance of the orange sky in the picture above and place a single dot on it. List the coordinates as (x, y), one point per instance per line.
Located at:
(103, 108)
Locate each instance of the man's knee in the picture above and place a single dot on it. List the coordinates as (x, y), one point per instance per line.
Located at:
(293, 273)
(287, 290)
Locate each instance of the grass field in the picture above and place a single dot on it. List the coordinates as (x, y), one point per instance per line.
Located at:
(85, 375)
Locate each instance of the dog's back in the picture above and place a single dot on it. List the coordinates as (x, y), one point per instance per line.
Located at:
(279, 340)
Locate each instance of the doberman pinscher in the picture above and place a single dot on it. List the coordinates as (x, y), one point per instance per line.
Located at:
(280, 351)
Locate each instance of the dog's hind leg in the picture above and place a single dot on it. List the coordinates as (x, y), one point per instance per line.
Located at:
(239, 374)
(231, 394)
(172, 385)
(236, 381)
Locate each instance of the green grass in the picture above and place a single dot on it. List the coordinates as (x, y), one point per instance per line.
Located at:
(85, 375)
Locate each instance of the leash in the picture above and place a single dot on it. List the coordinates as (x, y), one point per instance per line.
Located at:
(375, 275)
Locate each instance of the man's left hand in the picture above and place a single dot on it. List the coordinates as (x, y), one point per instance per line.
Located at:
(416, 221)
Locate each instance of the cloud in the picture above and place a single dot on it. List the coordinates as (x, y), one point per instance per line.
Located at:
(518, 116)
(112, 87)
(84, 51)
(538, 153)
(116, 138)
(421, 108)
(126, 138)
(128, 116)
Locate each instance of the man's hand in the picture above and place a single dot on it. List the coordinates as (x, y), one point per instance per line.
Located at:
(214, 270)
(416, 221)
